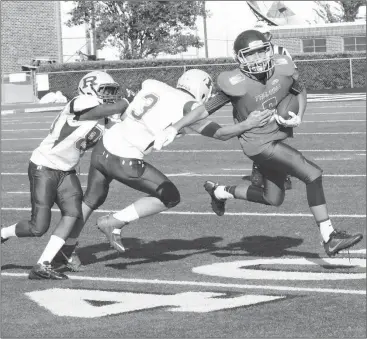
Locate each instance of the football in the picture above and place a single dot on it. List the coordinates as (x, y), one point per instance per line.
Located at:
(289, 103)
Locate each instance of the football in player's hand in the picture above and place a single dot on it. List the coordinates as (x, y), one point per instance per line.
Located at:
(289, 103)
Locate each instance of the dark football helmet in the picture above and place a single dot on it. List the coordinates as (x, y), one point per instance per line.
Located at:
(254, 53)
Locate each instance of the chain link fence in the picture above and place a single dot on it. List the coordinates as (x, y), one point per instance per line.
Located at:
(319, 74)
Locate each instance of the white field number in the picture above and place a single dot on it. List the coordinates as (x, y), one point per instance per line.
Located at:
(244, 269)
(79, 303)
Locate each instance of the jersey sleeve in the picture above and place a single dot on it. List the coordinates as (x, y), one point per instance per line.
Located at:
(216, 102)
(82, 104)
(285, 66)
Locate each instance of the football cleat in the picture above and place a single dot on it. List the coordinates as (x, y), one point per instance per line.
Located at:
(68, 258)
(107, 224)
(288, 183)
(45, 271)
(257, 178)
(218, 205)
(340, 240)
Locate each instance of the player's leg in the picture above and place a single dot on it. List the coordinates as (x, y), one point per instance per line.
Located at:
(43, 188)
(69, 199)
(256, 176)
(308, 172)
(94, 197)
(141, 176)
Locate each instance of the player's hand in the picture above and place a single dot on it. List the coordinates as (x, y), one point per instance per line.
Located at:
(260, 118)
(165, 138)
(294, 121)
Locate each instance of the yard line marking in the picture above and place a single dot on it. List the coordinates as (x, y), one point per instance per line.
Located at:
(214, 174)
(300, 133)
(306, 113)
(22, 139)
(211, 213)
(304, 122)
(199, 135)
(26, 123)
(223, 150)
(200, 284)
(25, 130)
(362, 251)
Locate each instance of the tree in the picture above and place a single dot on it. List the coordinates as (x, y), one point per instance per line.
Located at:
(338, 11)
(141, 28)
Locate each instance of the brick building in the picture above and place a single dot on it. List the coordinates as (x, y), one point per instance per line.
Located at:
(346, 37)
(29, 29)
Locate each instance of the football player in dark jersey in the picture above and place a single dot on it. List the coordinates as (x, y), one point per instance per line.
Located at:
(260, 83)
(256, 176)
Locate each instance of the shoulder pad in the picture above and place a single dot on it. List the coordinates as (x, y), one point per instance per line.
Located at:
(151, 84)
(83, 102)
(232, 82)
(284, 65)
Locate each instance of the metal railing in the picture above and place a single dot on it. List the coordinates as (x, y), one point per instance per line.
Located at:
(317, 74)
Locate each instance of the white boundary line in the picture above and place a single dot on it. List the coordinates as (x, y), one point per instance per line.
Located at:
(212, 174)
(221, 150)
(201, 284)
(357, 216)
(199, 135)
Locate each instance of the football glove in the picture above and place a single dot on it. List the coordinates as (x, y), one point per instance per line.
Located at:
(294, 121)
(165, 137)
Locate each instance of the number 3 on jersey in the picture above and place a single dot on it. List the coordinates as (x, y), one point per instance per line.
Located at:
(144, 105)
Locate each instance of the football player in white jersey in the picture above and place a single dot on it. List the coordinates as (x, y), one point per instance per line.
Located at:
(119, 155)
(51, 169)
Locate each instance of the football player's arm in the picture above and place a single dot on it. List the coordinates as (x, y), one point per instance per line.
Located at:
(213, 130)
(298, 89)
(103, 110)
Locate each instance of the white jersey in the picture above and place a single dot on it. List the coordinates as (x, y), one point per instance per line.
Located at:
(69, 138)
(155, 107)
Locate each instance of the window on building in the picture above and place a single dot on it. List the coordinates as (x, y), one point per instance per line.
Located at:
(314, 45)
(355, 44)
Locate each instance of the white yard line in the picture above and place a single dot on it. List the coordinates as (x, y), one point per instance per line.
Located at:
(209, 174)
(206, 284)
(220, 151)
(297, 215)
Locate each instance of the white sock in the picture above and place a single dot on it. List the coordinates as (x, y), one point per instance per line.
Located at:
(326, 228)
(117, 231)
(127, 214)
(7, 232)
(220, 193)
(53, 246)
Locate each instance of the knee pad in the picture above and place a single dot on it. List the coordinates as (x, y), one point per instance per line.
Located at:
(276, 200)
(40, 223)
(315, 193)
(72, 207)
(94, 201)
(168, 194)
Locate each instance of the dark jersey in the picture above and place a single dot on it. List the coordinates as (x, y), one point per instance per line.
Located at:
(247, 95)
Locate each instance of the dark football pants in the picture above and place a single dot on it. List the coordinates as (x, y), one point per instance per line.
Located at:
(135, 173)
(49, 186)
(278, 160)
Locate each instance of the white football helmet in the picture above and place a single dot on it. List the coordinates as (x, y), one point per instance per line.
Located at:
(99, 84)
(197, 83)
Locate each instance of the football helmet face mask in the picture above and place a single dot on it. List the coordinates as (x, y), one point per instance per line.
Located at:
(197, 83)
(255, 54)
(100, 85)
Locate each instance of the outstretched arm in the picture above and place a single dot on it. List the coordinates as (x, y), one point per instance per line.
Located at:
(213, 130)
(104, 110)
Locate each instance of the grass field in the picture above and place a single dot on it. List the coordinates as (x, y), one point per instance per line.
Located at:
(258, 271)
